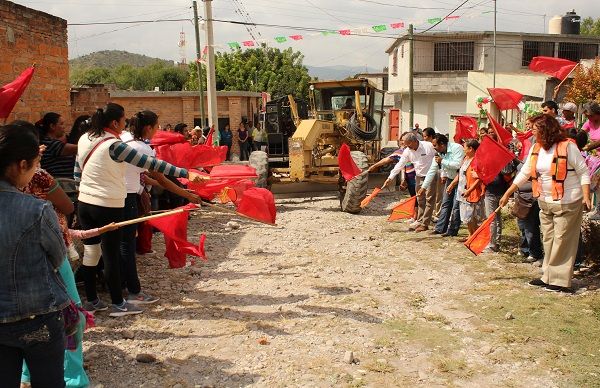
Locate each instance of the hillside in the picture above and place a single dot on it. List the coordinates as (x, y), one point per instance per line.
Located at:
(337, 71)
(113, 58)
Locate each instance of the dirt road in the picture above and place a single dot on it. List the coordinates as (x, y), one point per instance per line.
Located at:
(333, 299)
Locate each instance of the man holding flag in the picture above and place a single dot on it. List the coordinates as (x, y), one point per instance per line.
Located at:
(420, 154)
(448, 160)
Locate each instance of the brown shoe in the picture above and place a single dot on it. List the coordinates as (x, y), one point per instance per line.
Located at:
(421, 228)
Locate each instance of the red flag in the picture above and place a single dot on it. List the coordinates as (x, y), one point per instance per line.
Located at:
(248, 43)
(11, 92)
(348, 168)
(344, 32)
(397, 25)
(505, 98)
(370, 197)
(466, 128)
(209, 137)
(525, 143)
(258, 204)
(166, 137)
(210, 189)
(556, 67)
(233, 171)
(177, 246)
(188, 156)
(296, 37)
(404, 210)
(481, 238)
(490, 158)
(504, 135)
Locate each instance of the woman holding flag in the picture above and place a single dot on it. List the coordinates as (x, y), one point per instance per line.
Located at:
(561, 182)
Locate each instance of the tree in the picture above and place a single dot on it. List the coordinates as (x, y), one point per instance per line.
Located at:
(262, 69)
(585, 85)
(589, 26)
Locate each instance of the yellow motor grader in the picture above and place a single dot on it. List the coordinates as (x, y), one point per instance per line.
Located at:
(348, 111)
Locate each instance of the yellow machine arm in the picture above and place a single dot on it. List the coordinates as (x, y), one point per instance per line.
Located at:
(294, 109)
(357, 106)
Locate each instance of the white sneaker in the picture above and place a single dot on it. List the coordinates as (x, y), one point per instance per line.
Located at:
(123, 309)
(414, 224)
(410, 221)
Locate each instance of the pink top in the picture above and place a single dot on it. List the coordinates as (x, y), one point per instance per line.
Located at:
(84, 234)
(592, 130)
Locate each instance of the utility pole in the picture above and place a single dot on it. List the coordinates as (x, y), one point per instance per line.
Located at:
(213, 118)
(494, 66)
(411, 91)
(198, 64)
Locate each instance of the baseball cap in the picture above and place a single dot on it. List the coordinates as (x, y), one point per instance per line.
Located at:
(570, 107)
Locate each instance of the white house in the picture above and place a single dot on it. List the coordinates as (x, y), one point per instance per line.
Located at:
(452, 68)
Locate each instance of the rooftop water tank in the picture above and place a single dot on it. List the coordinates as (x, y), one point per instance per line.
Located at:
(571, 23)
(555, 25)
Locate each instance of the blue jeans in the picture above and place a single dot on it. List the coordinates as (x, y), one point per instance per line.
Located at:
(492, 201)
(41, 343)
(449, 217)
(531, 241)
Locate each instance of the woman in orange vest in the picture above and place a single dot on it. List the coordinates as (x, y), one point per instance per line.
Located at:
(561, 182)
(470, 190)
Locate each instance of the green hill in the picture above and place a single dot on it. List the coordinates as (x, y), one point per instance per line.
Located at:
(113, 58)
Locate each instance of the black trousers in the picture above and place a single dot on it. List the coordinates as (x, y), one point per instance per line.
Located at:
(92, 216)
(129, 272)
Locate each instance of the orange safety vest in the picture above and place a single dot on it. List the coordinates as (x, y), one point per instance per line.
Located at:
(559, 169)
(478, 192)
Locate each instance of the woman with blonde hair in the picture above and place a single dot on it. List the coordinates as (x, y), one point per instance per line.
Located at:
(561, 182)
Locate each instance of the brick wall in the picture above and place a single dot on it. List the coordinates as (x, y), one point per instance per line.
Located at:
(28, 36)
(86, 99)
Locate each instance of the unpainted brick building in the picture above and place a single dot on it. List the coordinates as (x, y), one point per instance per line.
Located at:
(30, 37)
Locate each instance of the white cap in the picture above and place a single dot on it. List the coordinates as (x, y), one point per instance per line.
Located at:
(570, 107)
(197, 127)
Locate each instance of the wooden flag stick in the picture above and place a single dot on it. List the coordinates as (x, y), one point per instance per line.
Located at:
(153, 216)
(231, 211)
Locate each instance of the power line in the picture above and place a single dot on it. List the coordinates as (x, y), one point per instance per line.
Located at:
(444, 18)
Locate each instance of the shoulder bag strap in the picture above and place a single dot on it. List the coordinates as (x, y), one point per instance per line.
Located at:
(87, 157)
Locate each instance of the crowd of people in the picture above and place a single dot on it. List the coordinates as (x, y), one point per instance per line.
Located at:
(107, 158)
(551, 185)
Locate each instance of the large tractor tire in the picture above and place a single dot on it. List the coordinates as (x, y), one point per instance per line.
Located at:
(355, 190)
(260, 161)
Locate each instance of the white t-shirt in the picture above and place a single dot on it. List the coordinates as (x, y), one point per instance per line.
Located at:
(132, 173)
(421, 158)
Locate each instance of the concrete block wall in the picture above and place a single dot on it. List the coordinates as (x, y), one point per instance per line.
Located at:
(28, 36)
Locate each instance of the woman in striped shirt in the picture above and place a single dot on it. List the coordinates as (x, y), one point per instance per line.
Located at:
(100, 169)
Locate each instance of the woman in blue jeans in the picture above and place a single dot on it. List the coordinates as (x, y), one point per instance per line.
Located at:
(31, 322)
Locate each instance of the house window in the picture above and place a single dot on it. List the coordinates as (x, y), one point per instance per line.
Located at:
(577, 51)
(536, 49)
(395, 62)
(453, 56)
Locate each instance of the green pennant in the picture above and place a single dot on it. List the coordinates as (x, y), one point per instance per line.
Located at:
(234, 45)
(280, 39)
(434, 20)
(330, 32)
(379, 28)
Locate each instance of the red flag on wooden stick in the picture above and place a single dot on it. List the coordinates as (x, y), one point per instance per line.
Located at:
(490, 158)
(556, 67)
(525, 145)
(481, 238)
(370, 197)
(404, 210)
(11, 92)
(177, 246)
(188, 156)
(232, 171)
(209, 137)
(505, 98)
(504, 135)
(348, 168)
(258, 204)
(466, 128)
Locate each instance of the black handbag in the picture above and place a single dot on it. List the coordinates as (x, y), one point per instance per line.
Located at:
(522, 205)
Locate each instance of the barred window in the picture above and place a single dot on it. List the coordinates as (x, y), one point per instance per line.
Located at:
(455, 56)
(395, 62)
(535, 49)
(577, 51)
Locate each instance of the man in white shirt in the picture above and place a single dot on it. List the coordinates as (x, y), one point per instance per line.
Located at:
(420, 154)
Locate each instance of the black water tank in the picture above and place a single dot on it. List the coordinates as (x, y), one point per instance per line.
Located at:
(570, 23)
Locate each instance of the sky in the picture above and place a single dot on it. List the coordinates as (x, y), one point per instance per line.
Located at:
(161, 39)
